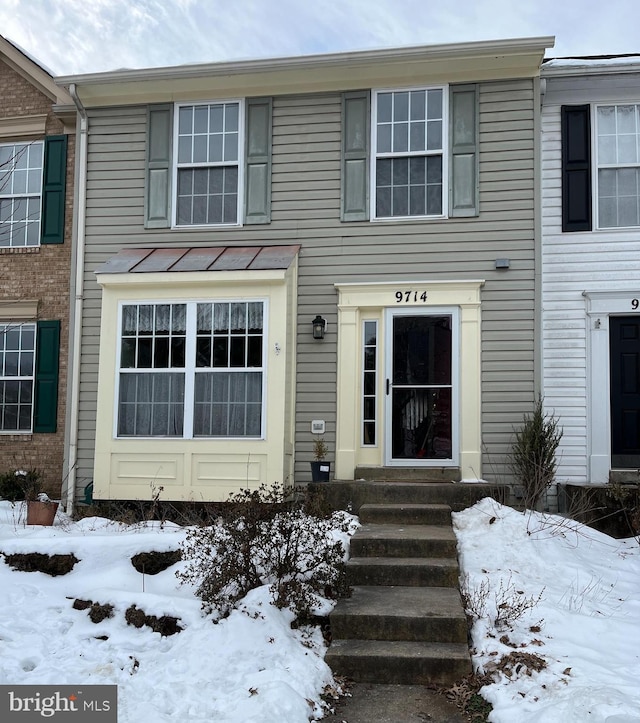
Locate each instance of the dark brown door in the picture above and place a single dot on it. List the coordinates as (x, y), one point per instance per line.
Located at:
(624, 341)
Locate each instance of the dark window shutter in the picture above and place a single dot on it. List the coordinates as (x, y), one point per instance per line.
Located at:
(46, 381)
(576, 168)
(354, 202)
(463, 181)
(53, 190)
(157, 197)
(258, 161)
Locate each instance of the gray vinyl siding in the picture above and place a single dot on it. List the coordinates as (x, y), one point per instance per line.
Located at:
(305, 209)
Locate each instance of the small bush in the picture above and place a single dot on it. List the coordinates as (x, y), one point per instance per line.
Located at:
(10, 487)
(534, 454)
(263, 538)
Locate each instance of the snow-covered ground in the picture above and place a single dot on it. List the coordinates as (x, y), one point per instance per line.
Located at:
(248, 668)
(580, 591)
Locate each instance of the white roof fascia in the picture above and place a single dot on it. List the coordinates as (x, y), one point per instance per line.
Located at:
(506, 48)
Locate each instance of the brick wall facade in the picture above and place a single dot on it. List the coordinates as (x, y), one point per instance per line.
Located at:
(41, 273)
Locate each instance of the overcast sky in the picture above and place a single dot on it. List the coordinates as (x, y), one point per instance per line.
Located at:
(81, 36)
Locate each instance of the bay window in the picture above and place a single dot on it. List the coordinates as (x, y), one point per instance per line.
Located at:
(191, 369)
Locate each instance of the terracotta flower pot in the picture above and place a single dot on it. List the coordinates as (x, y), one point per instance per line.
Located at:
(41, 513)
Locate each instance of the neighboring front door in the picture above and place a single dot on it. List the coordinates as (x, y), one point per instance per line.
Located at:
(421, 397)
(625, 391)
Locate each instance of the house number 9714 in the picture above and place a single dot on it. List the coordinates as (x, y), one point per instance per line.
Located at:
(408, 297)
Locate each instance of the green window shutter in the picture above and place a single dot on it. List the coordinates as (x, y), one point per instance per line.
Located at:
(46, 381)
(157, 197)
(257, 197)
(53, 190)
(463, 181)
(354, 201)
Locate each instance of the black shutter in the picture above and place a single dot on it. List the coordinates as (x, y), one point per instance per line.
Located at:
(576, 168)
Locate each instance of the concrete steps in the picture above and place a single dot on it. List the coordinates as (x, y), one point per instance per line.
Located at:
(401, 613)
(405, 571)
(404, 623)
(397, 662)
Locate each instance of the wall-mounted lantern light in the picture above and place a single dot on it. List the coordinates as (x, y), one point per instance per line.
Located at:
(319, 326)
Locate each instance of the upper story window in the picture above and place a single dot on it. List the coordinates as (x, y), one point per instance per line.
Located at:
(409, 161)
(618, 159)
(208, 163)
(17, 365)
(191, 370)
(20, 193)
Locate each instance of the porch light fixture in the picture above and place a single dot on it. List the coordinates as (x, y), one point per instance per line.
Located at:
(319, 326)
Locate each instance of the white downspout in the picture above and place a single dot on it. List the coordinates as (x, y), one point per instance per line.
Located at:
(74, 352)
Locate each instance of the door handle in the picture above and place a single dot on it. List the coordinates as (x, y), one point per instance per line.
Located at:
(388, 386)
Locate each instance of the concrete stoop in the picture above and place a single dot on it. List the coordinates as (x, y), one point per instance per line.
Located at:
(404, 623)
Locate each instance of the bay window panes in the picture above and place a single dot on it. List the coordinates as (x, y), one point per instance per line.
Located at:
(208, 164)
(17, 369)
(214, 349)
(618, 152)
(21, 167)
(409, 128)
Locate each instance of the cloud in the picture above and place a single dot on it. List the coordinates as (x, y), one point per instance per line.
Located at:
(73, 36)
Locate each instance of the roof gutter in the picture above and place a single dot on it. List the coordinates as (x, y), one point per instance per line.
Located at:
(559, 71)
(75, 337)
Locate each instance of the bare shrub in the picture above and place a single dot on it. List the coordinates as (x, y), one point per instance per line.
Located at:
(263, 538)
(509, 603)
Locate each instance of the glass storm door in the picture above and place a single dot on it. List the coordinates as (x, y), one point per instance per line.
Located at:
(420, 394)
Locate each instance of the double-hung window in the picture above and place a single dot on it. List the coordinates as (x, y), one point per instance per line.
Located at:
(191, 370)
(618, 154)
(208, 163)
(21, 167)
(409, 162)
(17, 368)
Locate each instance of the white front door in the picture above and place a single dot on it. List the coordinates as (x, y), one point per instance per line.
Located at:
(421, 390)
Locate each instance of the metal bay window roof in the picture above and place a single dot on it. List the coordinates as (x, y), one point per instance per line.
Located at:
(218, 258)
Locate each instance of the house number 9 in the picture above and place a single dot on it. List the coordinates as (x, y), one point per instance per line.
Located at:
(635, 303)
(408, 297)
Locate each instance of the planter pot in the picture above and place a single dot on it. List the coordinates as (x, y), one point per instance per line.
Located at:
(41, 513)
(320, 471)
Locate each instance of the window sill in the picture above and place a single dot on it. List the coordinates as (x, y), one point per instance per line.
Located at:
(201, 227)
(20, 250)
(405, 219)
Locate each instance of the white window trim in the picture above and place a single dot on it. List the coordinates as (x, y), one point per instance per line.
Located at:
(595, 195)
(241, 163)
(32, 376)
(190, 368)
(26, 195)
(374, 155)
